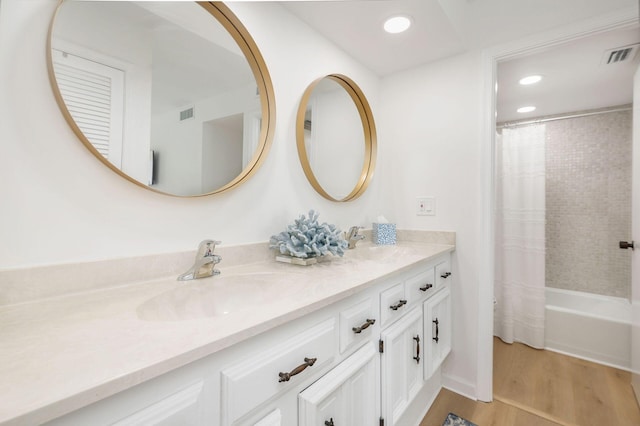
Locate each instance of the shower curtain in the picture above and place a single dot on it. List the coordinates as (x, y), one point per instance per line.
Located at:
(519, 286)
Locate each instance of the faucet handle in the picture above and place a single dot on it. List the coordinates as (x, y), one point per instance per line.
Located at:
(206, 248)
(353, 232)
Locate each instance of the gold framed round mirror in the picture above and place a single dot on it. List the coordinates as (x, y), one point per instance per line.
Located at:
(336, 138)
(173, 96)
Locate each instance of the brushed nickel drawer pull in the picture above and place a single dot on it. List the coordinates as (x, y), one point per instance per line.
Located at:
(364, 326)
(400, 304)
(308, 362)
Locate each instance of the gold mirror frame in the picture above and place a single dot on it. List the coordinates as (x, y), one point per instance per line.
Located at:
(368, 127)
(247, 45)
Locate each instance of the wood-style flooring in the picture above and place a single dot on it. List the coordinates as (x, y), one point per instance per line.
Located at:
(538, 387)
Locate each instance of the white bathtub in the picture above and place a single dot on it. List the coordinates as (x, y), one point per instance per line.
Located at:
(589, 326)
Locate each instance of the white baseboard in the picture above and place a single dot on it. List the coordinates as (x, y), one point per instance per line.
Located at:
(597, 360)
(459, 386)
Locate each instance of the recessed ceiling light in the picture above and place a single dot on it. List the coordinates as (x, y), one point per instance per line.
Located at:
(397, 24)
(526, 109)
(530, 79)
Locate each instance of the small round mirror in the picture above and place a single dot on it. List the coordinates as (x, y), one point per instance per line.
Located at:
(336, 138)
(173, 96)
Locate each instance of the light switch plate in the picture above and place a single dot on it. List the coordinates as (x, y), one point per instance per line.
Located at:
(426, 206)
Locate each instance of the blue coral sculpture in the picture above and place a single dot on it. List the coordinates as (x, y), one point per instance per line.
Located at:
(307, 238)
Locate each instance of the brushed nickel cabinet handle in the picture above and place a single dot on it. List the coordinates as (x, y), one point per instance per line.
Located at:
(364, 326)
(400, 304)
(308, 362)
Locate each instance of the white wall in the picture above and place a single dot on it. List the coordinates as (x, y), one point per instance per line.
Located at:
(221, 151)
(432, 116)
(180, 144)
(61, 205)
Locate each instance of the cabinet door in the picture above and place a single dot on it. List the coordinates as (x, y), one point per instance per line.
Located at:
(437, 330)
(270, 373)
(401, 362)
(345, 396)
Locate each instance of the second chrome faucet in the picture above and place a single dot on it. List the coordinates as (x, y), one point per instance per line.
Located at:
(353, 236)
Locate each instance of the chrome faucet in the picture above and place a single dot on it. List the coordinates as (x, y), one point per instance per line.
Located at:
(353, 237)
(205, 261)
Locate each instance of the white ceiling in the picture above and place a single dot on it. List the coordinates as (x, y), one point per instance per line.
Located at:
(574, 78)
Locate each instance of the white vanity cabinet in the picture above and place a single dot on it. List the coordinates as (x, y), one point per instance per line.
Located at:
(437, 330)
(345, 396)
(272, 371)
(401, 364)
(443, 272)
(365, 359)
(357, 323)
(411, 351)
(180, 397)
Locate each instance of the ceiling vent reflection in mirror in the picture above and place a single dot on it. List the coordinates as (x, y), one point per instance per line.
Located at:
(186, 114)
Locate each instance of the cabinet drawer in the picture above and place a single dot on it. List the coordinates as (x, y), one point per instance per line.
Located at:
(443, 272)
(274, 418)
(420, 286)
(253, 381)
(356, 323)
(392, 304)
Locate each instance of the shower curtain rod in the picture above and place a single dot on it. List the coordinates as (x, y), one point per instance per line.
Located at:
(562, 117)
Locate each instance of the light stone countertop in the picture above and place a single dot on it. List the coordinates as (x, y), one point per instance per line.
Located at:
(64, 352)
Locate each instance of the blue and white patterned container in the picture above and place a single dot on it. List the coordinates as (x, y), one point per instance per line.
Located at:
(384, 233)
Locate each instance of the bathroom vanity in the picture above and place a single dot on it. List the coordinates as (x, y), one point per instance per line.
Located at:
(353, 340)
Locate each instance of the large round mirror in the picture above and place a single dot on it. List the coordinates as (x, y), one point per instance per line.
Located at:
(173, 96)
(336, 138)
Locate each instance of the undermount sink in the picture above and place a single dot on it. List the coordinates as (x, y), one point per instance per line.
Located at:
(212, 297)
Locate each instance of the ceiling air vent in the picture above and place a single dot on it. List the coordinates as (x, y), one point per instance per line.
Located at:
(620, 54)
(186, 114)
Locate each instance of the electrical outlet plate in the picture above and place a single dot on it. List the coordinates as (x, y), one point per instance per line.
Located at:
(426, 206)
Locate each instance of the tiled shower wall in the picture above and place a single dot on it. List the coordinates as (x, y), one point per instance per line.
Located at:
(588, 203)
